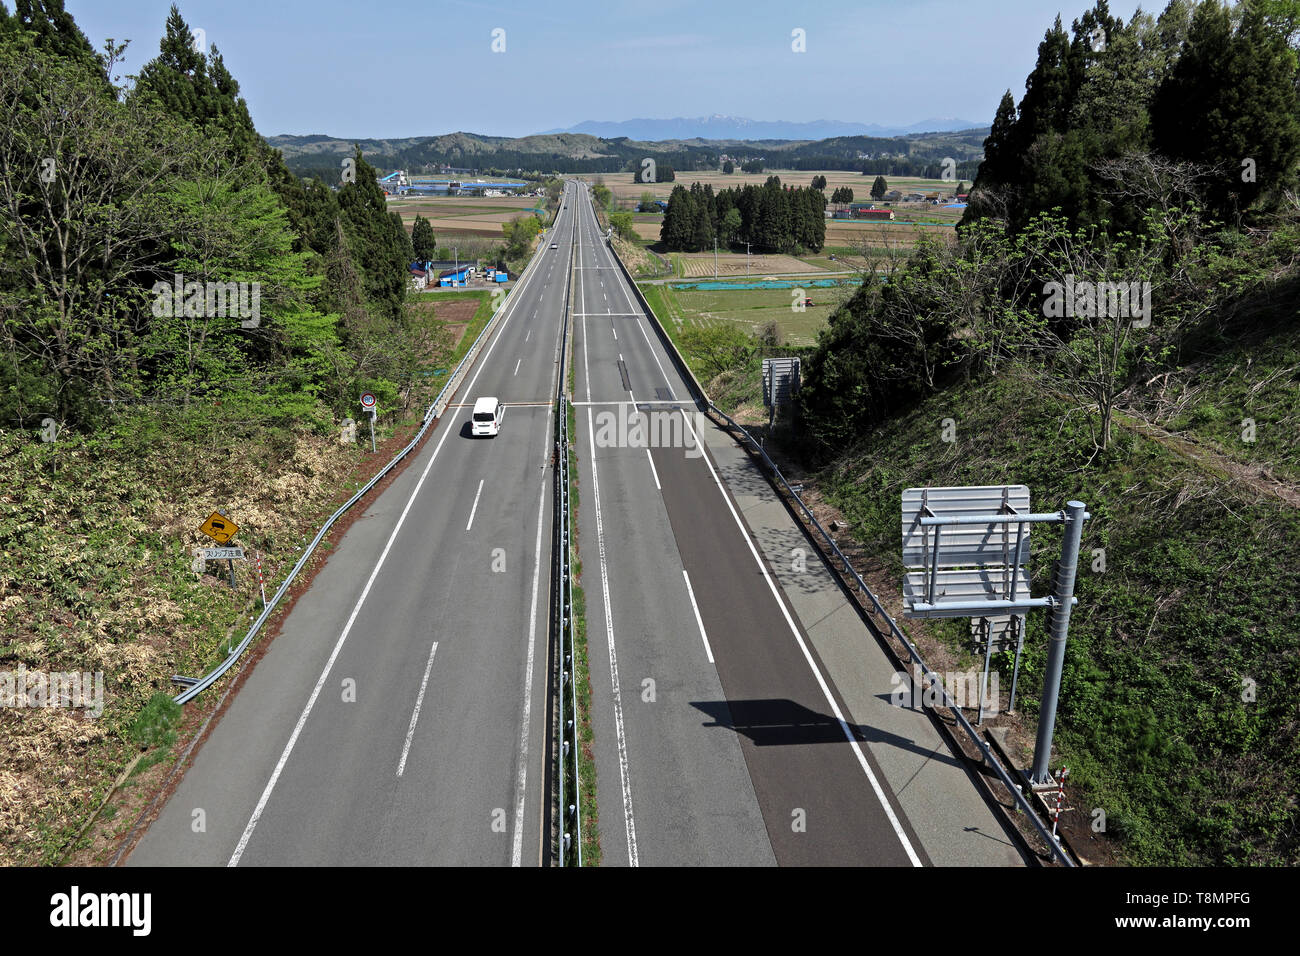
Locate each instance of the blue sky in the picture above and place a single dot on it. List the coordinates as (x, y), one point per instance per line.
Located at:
(398, 68)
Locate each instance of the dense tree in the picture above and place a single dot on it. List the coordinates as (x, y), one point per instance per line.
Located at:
(770, 217)
(423, 242)
(1229, 103)
(879, 188)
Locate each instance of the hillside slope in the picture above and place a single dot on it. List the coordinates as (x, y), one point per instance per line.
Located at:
(1178, 711)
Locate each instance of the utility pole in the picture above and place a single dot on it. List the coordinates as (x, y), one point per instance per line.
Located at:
(715, 257)
(455, 276)
(747, 260)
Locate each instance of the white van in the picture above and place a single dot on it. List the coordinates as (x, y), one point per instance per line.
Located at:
(487, 417)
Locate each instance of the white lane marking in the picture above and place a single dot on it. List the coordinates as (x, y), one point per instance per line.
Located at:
(517, 363)
(653, 470)
(582, 296)
(615, 331)
(415, 714)
(698, 620)
(474, 509)
(620, 736)
(821, 681)
(516, 854)
(347, 628)
(528, 336)
(655, 402)
(653, 352)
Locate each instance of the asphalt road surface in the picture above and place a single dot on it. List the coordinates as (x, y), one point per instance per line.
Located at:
(399, 718)
(718, 738)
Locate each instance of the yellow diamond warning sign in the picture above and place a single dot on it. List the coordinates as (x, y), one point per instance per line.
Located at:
(219, 528)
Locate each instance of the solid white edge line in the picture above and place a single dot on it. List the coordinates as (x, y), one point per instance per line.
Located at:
(415, 714)
(474, 509)
(653, 470)
(698, 620)
(821, 681)
(620, 735)
(347, 629)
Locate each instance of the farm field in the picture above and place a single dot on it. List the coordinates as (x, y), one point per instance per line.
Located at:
(624, 188)
(914, 221)
(457, 312)
(463, 215)
(752, 309)
(699, 265)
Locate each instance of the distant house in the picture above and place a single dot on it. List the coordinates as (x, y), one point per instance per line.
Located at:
(879, 215)
(419, 279)
(893, 195)
(914, 197)
(455, 277)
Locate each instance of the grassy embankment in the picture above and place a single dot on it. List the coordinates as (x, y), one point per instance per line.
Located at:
(96, 535)
(1178, 714)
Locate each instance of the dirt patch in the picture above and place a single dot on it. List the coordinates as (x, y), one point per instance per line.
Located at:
(701, 265)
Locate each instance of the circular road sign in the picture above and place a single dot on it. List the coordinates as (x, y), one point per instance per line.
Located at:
(367, 401)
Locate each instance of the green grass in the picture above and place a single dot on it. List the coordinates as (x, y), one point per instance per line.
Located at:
(1198, 596)
(751, 309)
(590, 836)
(1194, 605)
(1230, 383)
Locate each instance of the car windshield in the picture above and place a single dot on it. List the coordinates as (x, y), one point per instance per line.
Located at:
(483, 416)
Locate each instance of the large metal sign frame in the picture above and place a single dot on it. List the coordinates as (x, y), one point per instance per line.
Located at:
(958, 544)
(781, 378)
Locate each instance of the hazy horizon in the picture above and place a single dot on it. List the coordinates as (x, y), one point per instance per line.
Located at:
(391, 73)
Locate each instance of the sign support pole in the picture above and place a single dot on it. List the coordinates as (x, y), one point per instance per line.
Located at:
(1059, 626)
(1019, 623)
(987, 627)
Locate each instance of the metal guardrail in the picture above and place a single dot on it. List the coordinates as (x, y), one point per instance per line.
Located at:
(436, 408)
(876, 609)
(570, 849)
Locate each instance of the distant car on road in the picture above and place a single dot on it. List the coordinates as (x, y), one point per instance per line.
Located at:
(554, 246)
(807, 301)
(487, 416)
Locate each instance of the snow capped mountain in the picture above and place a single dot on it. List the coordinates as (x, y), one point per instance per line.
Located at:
(721, 126)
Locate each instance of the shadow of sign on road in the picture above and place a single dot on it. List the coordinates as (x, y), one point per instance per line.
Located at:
(780, 722)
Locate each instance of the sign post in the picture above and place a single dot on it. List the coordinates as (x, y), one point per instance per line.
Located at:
(221, 529)
(965, 560)
(368, 405)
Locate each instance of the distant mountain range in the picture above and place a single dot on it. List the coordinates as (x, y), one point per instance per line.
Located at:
(720, 127)
(911, 154)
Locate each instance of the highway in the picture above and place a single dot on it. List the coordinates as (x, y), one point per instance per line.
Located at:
(400, 716)
(736, 752)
